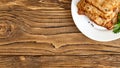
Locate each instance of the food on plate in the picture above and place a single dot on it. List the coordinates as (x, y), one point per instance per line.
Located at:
(103, 12)
(117, 25)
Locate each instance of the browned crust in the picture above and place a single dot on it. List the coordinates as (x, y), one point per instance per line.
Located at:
(114, 7)
(109, 25)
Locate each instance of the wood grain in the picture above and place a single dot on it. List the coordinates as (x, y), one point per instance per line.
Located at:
(45, 27)
(42, 34)
(98, 61)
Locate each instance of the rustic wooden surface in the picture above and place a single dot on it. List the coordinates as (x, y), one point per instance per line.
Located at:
(42, 34)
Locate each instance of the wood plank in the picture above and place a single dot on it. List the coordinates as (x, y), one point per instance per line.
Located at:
(72, 47)
(91, 61)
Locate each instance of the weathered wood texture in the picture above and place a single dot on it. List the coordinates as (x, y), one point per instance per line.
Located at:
(45, 27)
(98, 61)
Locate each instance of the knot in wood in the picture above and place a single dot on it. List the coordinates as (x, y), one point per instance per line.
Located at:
(6, 29)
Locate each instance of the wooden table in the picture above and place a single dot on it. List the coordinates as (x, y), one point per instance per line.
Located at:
(42, 34)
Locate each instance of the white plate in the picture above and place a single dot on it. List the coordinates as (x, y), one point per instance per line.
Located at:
(98, 33)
